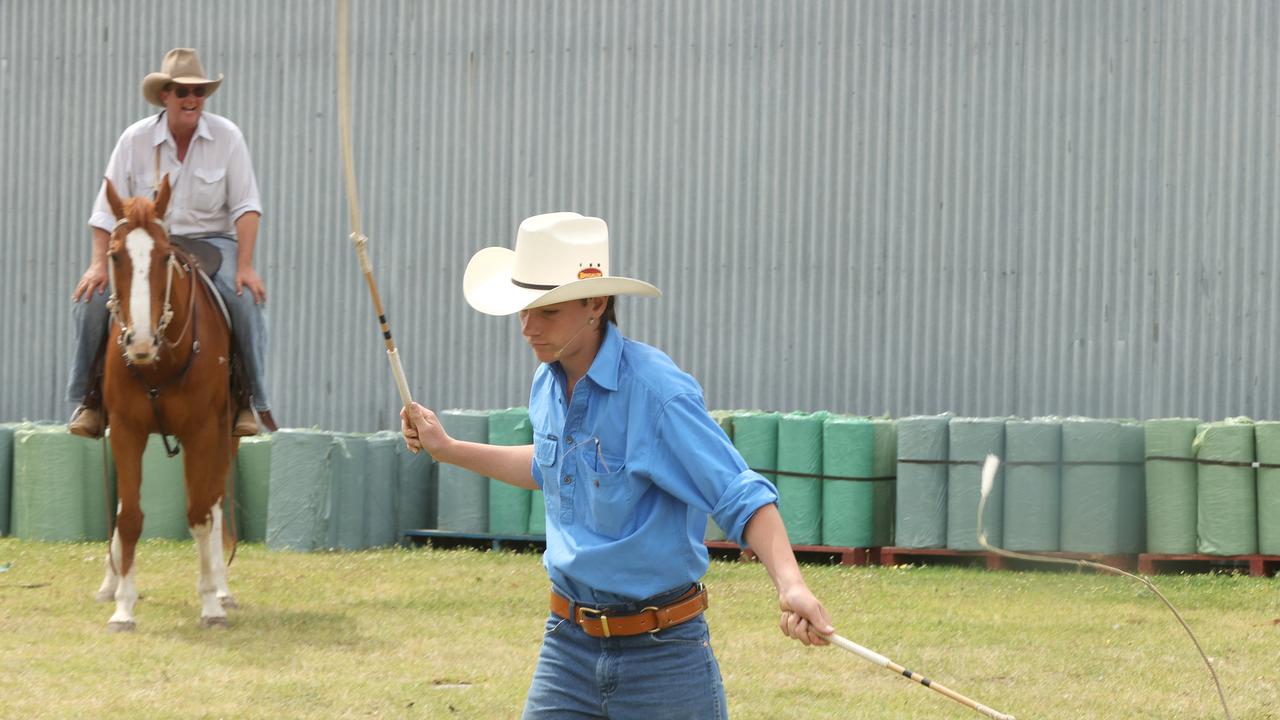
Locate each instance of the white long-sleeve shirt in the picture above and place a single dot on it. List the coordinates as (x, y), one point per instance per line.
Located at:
(211, 189)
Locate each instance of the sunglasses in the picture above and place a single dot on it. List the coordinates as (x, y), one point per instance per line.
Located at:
(182, 91)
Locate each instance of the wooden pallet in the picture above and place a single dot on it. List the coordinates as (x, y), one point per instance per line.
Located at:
(891, 556)
(993, 561)
(859, 557)
(1258, 565)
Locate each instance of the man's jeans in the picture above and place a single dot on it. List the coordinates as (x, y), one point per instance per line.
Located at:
(669, 674)
(247, 319)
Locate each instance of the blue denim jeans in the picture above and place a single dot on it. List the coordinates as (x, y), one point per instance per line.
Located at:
(248, 321)
(669, 674)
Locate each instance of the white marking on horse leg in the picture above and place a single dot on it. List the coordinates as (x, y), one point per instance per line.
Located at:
(107, 591)
(126, 596)
(219, 567)
(211, 612)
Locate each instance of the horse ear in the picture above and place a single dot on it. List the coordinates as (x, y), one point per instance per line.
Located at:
(117, 207)
(162, 197)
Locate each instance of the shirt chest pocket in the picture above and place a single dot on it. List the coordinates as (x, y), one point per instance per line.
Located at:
(606, 483)
(208, 189)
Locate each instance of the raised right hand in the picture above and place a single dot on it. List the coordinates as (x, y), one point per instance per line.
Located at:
(422, 430)
(93, 280)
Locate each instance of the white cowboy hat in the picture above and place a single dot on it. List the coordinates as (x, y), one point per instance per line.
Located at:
(182, 66)
(559, 256)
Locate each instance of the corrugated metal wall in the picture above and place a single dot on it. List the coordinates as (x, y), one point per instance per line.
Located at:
(872, 207)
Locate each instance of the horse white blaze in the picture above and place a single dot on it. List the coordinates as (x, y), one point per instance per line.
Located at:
(139, 243)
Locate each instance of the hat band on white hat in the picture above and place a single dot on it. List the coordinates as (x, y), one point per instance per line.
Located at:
(531, 286)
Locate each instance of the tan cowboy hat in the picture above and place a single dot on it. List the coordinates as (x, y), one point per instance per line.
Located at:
(559, 256)
(182, 66)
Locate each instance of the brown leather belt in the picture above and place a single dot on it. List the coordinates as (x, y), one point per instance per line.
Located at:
(649, 620)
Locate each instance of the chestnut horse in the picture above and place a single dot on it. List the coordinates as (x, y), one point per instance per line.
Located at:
(170, 376)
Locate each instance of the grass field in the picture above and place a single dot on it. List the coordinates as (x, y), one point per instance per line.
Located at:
(454, 634)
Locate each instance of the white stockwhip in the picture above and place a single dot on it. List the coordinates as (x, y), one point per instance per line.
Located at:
(886, 663)
(353, 205)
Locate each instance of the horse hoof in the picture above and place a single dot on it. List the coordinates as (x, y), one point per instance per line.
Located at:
(119, 626)
(228, 602)
(214, 622)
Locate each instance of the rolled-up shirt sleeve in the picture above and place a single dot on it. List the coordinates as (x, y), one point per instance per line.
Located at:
(118, 173)
(242, 185)
(694, 460)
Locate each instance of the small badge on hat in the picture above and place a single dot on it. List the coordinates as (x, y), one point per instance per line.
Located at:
(589, 272)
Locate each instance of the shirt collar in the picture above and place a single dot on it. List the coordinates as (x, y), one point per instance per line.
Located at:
(604, 369)
(161, 132)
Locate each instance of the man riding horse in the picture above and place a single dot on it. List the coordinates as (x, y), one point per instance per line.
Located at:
(214, 201)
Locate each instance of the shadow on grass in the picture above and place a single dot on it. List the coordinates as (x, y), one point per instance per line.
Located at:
(268, 632)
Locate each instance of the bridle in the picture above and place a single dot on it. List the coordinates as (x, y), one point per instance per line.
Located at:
(175, 262)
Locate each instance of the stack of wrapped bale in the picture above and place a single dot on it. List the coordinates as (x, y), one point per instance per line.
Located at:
(1171, 485)
(1226, 500)
(1103, 494)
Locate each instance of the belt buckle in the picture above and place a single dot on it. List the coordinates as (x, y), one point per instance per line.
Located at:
(599, 614)
(657, 625)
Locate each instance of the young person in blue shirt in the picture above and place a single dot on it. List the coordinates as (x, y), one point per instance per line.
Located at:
(631, 465)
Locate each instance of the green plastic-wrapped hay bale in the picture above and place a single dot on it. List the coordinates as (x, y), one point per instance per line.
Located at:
(755, 435)
(723, 418)
(857, 500)
(800, 476)
(1032, 484)
(970, 441)
(509, 506)
(1267, 436)
(6, 474)
(415, 490)
(463, 501)
(920, 519)
(164, 492)
(1103, 493)
(299, 501)
(252, 487)
(1226, 494)
(58, 491)
(537, 513)
(382, 471)
(347, 493)
(1171, 485)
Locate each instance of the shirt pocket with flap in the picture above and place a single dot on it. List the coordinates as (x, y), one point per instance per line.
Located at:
(208, 189)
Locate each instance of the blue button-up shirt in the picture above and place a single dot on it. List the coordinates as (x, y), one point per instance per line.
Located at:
(630, 469)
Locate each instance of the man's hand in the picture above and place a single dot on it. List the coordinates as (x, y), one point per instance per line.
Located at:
(94, 280)
(803, 616)
(247, 277)
(422, 430)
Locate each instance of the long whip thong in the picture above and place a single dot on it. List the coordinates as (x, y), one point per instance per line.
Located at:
(989, 469)
(353, 204)
(884, 662)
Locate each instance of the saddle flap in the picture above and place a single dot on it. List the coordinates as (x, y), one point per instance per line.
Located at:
(205, 255)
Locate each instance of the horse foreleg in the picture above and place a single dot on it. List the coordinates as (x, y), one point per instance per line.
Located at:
(219, 567)
(127, 448)
(107, 590)
(209, 547)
